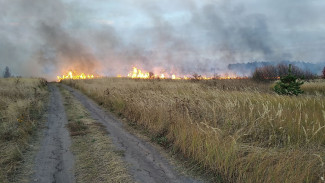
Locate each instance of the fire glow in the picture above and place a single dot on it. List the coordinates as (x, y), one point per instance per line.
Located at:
(74, 76)
(140, 74)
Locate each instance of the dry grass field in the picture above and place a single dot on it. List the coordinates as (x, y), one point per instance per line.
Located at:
(21, 105)
(237, 130)
(316, 87)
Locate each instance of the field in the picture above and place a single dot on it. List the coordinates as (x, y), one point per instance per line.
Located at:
(235, 130)
(22, 103)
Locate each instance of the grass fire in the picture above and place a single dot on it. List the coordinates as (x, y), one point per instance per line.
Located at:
(140, 74)
(74, 75)
(152, 91)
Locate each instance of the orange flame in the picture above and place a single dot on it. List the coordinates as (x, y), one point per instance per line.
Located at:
(74, 75)
(139, 74)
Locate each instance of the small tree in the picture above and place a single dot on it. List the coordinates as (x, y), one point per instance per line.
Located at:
(7, 73)
(196, 77)
(323, 76)
(288, 85)
(151, 75)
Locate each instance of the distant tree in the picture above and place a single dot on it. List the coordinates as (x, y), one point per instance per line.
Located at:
(196, 77)
(288, 85)
(258, 75)
(151, 75)
(282, 70)
(265, 73)
(269, 72)
(323, 76)
(7, 73)
(216, 76)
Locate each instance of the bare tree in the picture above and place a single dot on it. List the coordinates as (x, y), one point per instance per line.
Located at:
(7, 73)
(151, 75)
(196, 77)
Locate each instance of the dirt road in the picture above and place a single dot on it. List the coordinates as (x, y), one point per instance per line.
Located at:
(54, 162)
(146, 164)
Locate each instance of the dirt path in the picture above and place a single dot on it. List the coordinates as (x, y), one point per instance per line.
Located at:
(146, 163)
(54, 162)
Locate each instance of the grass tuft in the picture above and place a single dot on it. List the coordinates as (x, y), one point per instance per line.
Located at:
(77, 128)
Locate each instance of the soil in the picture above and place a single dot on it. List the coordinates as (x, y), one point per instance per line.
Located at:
(54, 161)
(146, 163)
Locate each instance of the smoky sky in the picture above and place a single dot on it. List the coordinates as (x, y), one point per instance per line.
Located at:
(45, 38)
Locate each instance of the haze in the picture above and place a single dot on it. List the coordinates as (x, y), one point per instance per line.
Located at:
(44, 38)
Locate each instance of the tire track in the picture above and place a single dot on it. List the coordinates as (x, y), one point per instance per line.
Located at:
(146, 164)
(54, 162)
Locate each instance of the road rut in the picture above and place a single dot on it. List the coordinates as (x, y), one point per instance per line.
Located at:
(146, 164)
(54, 162)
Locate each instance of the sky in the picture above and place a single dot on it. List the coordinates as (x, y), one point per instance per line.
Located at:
(45, 38)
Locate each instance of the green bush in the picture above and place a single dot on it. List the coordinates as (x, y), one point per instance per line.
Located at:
(289, 85)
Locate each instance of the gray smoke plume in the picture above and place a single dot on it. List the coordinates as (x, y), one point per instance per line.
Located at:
(45, 37)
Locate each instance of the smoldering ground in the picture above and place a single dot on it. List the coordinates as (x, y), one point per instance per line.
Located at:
(45, 37)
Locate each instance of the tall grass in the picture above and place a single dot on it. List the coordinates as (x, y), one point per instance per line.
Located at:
(316, 87)
(241, 135)
(21, 104)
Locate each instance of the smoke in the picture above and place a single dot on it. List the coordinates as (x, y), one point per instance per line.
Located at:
(69, 52)
(41, 44)
(45, 37)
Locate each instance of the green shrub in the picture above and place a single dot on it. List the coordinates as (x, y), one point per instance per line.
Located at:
(289, 85)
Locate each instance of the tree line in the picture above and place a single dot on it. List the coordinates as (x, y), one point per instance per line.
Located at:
(271, 72)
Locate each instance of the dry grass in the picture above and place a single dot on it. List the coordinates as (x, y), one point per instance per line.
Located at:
(21, 106)
(96, 159)
(246, 135)
(316, 87)
(238, 85)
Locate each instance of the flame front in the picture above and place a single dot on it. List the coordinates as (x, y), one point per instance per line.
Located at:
(139, 74)
(74, 75)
